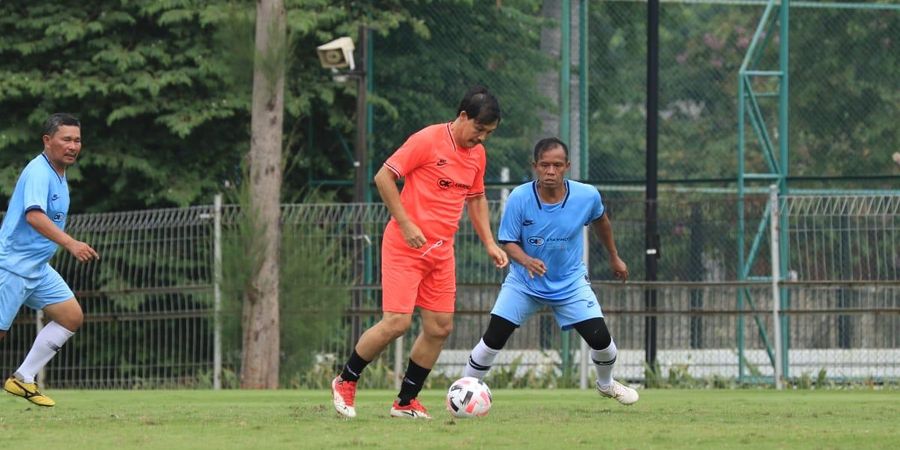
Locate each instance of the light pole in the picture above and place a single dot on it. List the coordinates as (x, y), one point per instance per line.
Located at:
(362, 157)
(338, 54)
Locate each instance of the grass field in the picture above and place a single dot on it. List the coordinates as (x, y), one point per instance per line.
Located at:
(543, 419)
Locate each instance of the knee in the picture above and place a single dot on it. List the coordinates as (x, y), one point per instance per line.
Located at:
(72, 321)
(595, 333)
(599, 341)
(396, 325)
(439, 330)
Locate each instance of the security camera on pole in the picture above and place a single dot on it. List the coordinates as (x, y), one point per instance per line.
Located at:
(336, 55)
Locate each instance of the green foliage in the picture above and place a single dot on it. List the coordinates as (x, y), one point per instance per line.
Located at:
(147, 87)
(163, 92)
(163, 89)
(511, 376)
(806, 381)
(653, 376)
(312, 295)
(679, 377)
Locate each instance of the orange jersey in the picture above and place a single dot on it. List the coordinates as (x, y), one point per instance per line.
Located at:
(439, 177)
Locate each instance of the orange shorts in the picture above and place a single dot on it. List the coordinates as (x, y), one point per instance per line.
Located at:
(410, 278)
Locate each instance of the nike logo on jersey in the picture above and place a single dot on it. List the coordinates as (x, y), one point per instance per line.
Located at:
(527, 222)
(442, 162)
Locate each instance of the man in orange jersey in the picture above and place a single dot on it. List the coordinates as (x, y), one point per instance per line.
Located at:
(443, 167)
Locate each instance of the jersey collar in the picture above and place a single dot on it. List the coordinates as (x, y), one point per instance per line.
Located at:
(52, 169)
(452, 141)
(537, 198)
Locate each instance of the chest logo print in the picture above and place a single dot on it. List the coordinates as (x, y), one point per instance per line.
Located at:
(446, 183)
(441, 162)
(527, 222)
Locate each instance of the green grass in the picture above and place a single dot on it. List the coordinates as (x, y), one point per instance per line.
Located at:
(663, 419)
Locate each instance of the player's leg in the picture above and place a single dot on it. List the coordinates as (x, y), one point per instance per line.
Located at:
(583, 313)
(436, 327)
(486, 350)
(371, 343)
(401, 275)
(511, 309)
(436, 302)
(12, 296)
(52, 295)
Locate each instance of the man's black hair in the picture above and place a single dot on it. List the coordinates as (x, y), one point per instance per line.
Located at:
(56, 120)
(481, 105)
(549, 143)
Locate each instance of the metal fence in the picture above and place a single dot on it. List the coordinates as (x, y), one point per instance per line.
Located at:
(149, 301)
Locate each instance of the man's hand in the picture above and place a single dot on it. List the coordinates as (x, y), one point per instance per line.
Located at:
(81, 251)
(498, 255)
(535, 267)
(412, 235)
(620, 270)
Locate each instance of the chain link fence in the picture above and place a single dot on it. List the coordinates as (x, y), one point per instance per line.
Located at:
(843, 97)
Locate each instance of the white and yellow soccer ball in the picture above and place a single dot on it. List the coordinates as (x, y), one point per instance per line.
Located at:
(469, 397)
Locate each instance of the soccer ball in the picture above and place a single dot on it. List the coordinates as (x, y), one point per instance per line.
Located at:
(469, 397)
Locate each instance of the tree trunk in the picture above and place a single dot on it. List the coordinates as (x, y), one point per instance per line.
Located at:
(260, 321)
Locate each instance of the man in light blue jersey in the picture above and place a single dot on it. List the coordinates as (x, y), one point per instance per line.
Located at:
(32, 229)
(541, 231)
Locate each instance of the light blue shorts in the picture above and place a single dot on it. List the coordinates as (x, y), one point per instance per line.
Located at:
(517, 306)
(36, 293)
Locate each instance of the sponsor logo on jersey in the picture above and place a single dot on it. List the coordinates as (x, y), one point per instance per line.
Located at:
(57, 217)
(558, 243)
(54, 197)
(536, 241)
(446, 183)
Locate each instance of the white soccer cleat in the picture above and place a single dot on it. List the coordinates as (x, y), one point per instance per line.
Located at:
(623, 394)
(343, 394)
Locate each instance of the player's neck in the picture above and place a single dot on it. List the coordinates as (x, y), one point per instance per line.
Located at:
(58, 168)
(552, 194)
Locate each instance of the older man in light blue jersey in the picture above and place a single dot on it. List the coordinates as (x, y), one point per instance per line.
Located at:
(541, 231)
(32, 229)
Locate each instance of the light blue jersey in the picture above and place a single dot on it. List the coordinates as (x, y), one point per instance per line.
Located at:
(553, 234)
(24, 251)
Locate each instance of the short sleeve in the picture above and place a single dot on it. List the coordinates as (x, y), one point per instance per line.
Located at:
(36, 189)
(597, 207)
(413, 153)
(511, 221)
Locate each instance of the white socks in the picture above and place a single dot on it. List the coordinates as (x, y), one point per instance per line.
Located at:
(46, 344)
(603, 362)
(480, 360)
